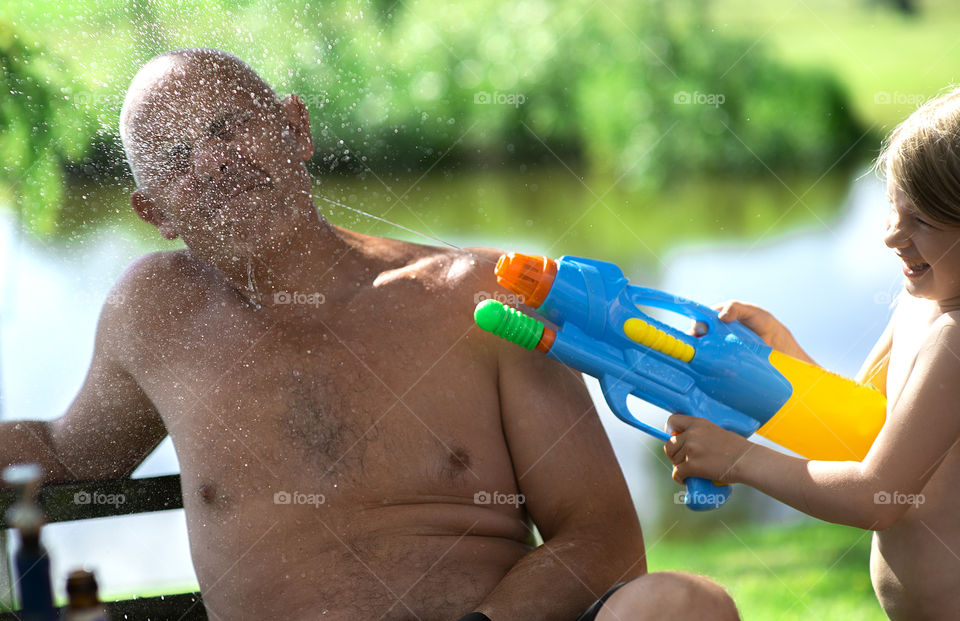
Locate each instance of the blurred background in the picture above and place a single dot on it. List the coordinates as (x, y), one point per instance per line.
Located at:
(716, 149)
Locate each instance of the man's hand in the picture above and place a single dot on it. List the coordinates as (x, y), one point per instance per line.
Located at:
(699, 448)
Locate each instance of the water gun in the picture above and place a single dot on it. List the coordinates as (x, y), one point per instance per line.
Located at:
(728, 375)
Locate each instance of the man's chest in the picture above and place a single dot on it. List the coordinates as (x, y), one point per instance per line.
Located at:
(360, 403)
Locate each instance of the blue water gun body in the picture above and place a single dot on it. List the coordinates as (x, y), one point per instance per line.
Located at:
(725, 375)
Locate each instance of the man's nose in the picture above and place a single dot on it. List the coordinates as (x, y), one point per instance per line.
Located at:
(216, 157)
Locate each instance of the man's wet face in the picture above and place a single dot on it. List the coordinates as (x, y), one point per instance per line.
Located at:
(214, 152)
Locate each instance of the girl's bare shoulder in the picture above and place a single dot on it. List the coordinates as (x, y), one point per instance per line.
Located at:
(939, 347)
(951, 318)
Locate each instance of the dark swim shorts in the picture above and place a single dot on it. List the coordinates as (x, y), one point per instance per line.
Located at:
(588, 615)
(591, 613)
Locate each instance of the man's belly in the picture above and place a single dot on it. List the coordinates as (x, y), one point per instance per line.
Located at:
(397, 529)
(430, 559)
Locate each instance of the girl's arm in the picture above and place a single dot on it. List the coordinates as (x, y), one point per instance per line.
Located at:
(922, 425)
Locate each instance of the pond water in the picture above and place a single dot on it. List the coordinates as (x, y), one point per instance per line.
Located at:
(810, 251)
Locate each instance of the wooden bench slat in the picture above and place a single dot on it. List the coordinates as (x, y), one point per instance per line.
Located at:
(86, 500)
(180, 607)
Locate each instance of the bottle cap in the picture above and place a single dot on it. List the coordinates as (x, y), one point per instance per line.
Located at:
(25, 514)
(82, 588)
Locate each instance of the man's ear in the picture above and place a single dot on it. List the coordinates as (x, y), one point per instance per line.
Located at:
(298, 125)
(150, 212)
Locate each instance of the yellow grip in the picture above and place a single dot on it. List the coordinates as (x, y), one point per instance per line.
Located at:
(639, 331)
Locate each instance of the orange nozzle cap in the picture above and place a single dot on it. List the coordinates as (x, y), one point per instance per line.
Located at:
(546, 340)
(527, 275)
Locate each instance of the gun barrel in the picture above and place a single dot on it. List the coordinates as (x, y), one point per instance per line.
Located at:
(513, 326)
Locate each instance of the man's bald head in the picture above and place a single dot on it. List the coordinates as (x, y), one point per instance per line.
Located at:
(174, 83)
(218, 159)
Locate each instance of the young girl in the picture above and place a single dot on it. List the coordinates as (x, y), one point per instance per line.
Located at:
(904, 488)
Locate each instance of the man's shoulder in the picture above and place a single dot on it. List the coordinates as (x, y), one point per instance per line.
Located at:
(455, 267)
(451, 270)
(160, 283)
(165, 273)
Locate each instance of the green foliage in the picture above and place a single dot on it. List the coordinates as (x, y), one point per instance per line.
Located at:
(860, 42)
(39, 128)
(706, 103)
(634, 90)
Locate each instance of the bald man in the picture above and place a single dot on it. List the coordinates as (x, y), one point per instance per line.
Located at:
(350, 445)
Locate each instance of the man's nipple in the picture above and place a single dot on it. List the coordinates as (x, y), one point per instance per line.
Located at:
(207, 493)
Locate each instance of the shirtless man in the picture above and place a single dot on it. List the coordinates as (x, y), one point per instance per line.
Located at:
(350, 445)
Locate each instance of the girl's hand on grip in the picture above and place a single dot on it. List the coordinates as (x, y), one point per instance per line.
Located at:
(699, 448)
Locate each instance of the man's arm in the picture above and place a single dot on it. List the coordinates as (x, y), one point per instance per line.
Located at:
(574, 492)
(109, 428)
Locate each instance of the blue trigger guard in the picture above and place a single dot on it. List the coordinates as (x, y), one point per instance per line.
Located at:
(618, 404)
(702, 494)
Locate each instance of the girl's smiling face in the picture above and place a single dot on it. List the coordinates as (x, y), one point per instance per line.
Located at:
(930, 251)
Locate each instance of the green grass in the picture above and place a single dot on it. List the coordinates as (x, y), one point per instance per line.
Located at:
(174, 589)
(872, 49)
(813, 570)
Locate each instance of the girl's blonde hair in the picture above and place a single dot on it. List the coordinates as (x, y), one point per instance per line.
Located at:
(922, 157)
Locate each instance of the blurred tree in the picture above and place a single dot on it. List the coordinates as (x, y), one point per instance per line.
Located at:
(907, 7)
(644, 91)
(39, 127)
